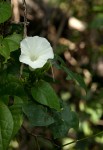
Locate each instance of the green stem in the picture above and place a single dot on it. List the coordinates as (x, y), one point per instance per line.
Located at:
(75, 141)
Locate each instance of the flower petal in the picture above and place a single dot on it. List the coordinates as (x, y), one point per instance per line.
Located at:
(47, 55)
(37, 64)
(33, 43)
(35, 51)
(24, 59)
(24, 47)
(43, 46)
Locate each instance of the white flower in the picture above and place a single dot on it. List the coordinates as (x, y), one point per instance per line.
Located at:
(35, 51)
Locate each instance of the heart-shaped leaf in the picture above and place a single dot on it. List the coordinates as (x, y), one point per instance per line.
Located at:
(37, 115)
(16, 111)
(5, 11)
(43, 93)
(6, 126)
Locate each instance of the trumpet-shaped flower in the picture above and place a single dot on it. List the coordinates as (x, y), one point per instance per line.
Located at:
(35, 51)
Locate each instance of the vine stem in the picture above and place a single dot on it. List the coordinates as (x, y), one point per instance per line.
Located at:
(83, 139)
(52, 71)
(25, 31)
(25, 18)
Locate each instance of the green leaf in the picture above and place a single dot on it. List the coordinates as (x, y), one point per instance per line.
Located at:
(9, 44)
(4, 49)
(37, 115)
(77, 77)
(60, 48)
(16, 111)
(6, 126)
(10, 85)
(70, 75)
(64, 120)
(5, 99)
(5, 11)
(13, 41)
(43, 93)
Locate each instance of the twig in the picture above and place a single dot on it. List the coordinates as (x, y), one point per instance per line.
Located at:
(15, 11)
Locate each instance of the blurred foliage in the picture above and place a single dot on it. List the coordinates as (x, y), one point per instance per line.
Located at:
(87, 58)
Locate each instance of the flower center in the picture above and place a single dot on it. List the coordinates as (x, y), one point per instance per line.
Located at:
(33, 58)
